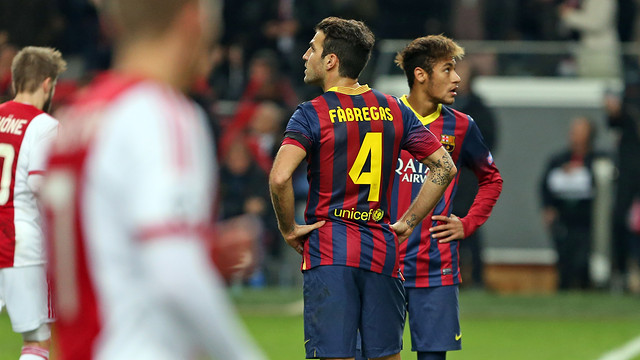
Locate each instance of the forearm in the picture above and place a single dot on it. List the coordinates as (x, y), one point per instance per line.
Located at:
(488, 193)
(441, 172)
(283, 202)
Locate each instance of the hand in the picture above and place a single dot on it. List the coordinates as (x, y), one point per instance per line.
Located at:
(402, 230)
(298, 235)
(452, 229)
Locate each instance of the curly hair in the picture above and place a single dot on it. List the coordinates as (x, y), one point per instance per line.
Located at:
(425, 52)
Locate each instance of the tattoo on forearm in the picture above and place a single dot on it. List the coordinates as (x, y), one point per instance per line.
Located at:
(440, 170)
(412, 221)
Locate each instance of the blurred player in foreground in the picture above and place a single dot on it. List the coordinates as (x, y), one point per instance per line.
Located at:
(128, 193)
(429, 258)
(26, 132)
(351, 137)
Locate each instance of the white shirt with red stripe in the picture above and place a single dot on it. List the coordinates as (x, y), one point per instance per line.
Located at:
(25, 135)
(131, 182)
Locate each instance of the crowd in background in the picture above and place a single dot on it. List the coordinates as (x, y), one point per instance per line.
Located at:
(256, 81)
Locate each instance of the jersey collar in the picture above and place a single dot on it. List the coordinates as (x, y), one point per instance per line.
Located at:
(350, 91)
(426, 120)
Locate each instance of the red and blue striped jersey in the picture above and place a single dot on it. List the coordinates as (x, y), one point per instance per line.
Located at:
(423, 261)
(353, 139)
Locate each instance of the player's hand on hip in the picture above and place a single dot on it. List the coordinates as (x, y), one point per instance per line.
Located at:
(299, 234)
(402, 230)
(450, 229)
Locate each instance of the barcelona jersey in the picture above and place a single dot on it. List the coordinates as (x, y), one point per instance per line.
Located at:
(353, 139)
(424, 262)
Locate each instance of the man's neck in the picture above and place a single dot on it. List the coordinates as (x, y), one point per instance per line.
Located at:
(340, 82)
(145, 59)
(422, 104)
(34, 99)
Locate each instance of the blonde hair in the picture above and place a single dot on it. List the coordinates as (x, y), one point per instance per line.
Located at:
(33, 65)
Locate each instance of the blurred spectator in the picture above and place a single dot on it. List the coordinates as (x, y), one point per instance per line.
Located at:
(624, 116)
(244, 191)
(626, 19)
(31, 22)
(469, 102)
(267, 82)
(568, 192)
(595, 20)
(7, 52)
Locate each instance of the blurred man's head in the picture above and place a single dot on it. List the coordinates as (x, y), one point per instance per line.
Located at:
(343, 45)
(37, 69)
(431, 61)
(192, 24)
(581, 135)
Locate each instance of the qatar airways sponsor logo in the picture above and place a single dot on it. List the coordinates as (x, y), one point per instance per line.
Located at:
(412, 171)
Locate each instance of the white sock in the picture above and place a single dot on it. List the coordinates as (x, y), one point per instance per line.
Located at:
(34, 353)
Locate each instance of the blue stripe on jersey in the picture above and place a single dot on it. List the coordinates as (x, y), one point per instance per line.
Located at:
(390, 260)
(339, 241)
(366, 250)
(387, 161)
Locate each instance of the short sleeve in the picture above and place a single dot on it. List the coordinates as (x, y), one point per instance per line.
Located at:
(476, 155)
(299, 131)
(43, 130)
(168, 158)
(417, 139)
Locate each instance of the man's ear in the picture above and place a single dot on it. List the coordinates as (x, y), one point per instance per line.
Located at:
(420, 74)
(330, 61)
(47, 84)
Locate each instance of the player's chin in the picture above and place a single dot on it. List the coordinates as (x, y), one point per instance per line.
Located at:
(448, 100)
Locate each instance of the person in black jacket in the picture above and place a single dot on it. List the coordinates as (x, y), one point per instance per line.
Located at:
(568, 192)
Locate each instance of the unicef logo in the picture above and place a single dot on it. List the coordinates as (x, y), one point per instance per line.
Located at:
(377, 215)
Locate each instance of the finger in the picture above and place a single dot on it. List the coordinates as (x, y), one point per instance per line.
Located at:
(440, 218)
(446, 240)
(438, 228)
(442, 234)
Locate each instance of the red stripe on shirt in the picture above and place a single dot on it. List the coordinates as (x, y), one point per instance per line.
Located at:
(37, 172)
(352, 191)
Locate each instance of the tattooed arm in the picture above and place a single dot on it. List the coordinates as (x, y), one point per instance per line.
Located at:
(441, 172)
(281, 188)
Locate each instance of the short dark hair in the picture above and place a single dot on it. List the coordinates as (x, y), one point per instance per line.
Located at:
(424, 52)
(350, 40)
(33, 65)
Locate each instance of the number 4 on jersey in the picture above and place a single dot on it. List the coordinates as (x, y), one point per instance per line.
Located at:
(372, 145)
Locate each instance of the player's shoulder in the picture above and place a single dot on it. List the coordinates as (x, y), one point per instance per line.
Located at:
(458, 115)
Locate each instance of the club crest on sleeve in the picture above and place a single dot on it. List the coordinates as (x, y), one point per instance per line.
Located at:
(448, 142)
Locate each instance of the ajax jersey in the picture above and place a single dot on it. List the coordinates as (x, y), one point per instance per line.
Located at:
(25, 135)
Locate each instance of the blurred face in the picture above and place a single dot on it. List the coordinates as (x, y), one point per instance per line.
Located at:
(209, 23)
(443, 82)
(313, 61)
(579, 134)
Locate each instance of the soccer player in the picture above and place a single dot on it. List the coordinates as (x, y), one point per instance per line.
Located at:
(429, 258)
(351, 137)
(129, 188)
(26, 132)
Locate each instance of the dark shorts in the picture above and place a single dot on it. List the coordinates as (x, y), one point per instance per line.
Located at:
(340, 300)
(434, 318)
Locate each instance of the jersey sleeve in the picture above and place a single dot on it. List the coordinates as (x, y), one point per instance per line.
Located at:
(299, 131)
(45, 130)
(477, 157)
(169, 166)
(417, 139)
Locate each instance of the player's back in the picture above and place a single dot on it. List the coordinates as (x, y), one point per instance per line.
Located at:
(135, 162)
(353, 138)
(25, 132)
